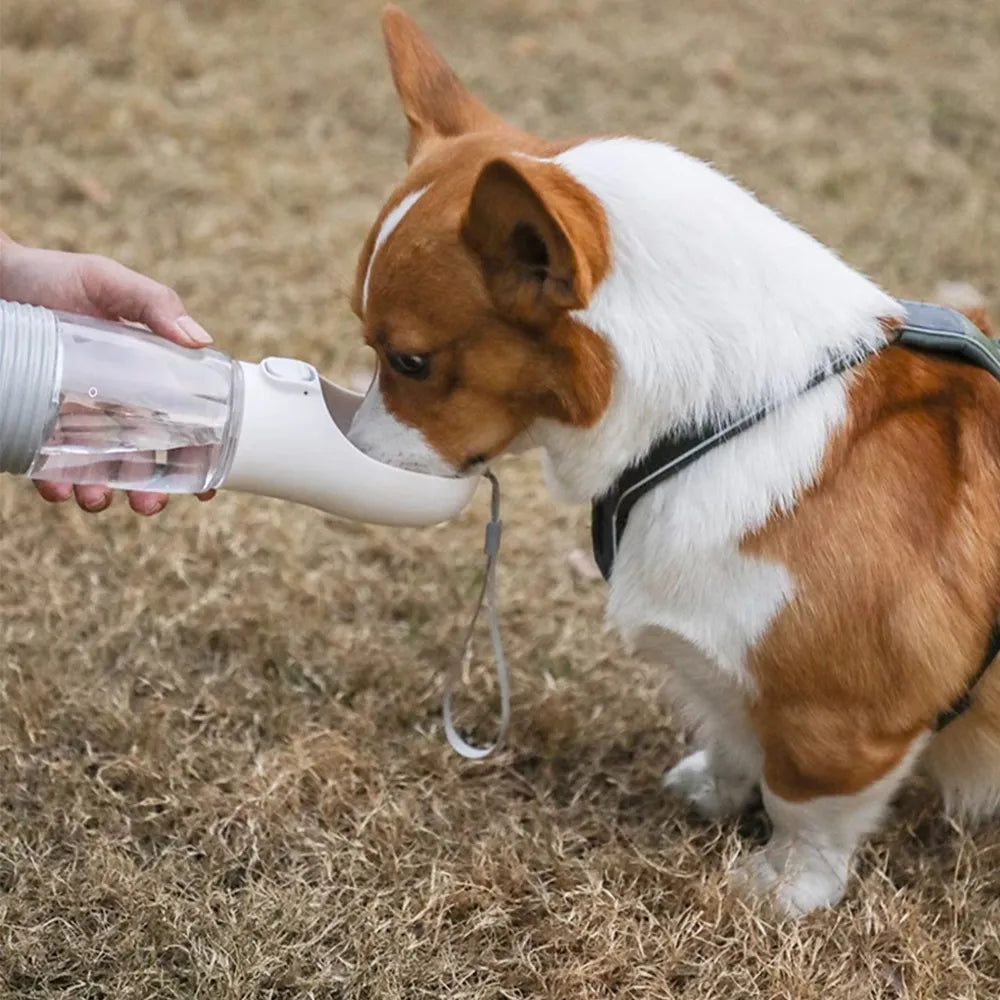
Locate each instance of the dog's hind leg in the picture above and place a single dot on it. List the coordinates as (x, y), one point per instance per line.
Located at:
(807, 861)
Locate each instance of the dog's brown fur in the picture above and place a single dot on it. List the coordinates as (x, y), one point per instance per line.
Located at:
(904, 521)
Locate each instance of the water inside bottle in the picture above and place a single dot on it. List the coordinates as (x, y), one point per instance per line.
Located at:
(135, 412)
(128, 447)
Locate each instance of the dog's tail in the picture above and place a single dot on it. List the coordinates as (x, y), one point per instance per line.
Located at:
(968, 301)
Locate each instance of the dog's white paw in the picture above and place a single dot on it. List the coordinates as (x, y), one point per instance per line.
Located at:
(712, 793)
(795, 883)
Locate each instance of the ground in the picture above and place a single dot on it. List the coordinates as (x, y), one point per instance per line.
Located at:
(222, 770)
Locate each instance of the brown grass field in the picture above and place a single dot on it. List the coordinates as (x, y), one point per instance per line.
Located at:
(222, 770)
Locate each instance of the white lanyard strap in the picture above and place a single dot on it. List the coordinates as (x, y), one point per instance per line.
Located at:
(487, 594)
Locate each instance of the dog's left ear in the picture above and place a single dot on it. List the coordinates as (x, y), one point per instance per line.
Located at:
(541, 237)
(542, 241)
(436, 103)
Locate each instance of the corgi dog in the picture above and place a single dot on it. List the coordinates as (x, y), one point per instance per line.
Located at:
(819, 588)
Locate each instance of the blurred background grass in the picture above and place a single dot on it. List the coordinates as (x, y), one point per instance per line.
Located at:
(221, 768)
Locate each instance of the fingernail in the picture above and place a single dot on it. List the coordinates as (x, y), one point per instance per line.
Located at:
(193, 330)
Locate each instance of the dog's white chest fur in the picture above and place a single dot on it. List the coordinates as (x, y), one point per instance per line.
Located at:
(680, 568)
(685, 596)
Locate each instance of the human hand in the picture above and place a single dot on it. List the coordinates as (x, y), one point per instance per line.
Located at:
(100, 287)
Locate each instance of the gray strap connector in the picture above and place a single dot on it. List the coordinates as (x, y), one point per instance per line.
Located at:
(487, 595)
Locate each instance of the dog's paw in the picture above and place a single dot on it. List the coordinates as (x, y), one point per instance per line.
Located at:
(713, 795)
(792, 889)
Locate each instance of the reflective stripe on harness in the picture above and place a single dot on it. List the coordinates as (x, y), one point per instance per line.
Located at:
(944, 331)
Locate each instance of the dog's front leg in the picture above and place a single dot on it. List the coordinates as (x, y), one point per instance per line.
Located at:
(720, 778)
(806, 863)
(715, 785)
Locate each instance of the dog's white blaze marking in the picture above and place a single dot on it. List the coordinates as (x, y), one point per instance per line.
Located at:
(389, 223)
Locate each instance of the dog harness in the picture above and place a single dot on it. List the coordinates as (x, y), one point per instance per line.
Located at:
(926, 328)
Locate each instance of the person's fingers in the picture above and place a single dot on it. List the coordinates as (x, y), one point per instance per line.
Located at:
(93, 499)
(54, 492)
(147, 504)
(118, 292)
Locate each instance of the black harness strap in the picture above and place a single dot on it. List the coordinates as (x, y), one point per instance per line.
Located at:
(964, 701)
(927, 327)
(668, 456)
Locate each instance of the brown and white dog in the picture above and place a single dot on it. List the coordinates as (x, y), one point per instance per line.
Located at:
(819, 588)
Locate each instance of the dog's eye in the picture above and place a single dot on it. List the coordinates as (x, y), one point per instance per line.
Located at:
(416, 366)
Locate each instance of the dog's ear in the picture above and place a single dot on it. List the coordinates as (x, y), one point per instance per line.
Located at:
(543, 244)
(436, 103)
(541, 237)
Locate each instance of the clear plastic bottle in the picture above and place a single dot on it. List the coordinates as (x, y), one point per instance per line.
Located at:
(88, 401)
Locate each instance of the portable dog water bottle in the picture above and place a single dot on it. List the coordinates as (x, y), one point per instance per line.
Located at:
(89, 401)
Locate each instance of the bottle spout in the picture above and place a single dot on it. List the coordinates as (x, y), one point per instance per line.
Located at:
(293, 445)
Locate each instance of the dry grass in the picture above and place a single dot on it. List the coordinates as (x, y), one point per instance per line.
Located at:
(222, 773)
